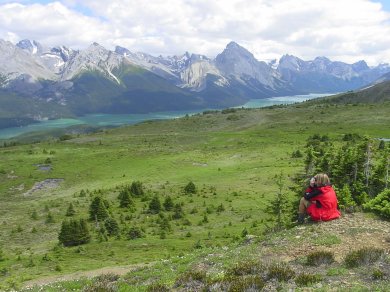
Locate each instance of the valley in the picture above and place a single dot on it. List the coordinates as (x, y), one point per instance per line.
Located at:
(233, 157)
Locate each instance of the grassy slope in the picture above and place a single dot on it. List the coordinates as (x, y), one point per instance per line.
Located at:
(235, 155)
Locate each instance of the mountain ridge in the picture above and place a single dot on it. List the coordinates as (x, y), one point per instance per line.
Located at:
(55, 76)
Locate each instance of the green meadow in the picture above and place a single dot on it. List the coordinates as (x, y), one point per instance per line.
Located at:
(233, 157)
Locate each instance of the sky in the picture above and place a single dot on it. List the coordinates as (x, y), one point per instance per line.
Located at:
(342, 30)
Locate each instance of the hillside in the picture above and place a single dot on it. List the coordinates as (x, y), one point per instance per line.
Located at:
(377, 93)
(248, 263)
(233, 157)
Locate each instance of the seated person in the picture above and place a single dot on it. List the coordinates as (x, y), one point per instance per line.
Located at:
(319, 201)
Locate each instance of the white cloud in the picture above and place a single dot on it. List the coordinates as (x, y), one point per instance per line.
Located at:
(347, 30)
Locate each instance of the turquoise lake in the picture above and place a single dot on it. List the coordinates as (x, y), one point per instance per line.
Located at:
(101, 120)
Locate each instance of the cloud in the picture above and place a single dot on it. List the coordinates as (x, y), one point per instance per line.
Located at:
(348, 30)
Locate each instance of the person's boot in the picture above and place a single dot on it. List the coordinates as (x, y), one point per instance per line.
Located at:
(301, 218)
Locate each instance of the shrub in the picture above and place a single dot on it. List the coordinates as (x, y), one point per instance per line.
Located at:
(280, 272)
(134, 233)
(191, 275)
(157, 287)
(251, 283)
(380, 204)
(378, 274)
(74, 232)
(307, 279)
(111, 226)
(155, 205)
(105, 283)
(248, 267)
(363, 256)
(137, 189)
(190, 188)
(70, 211)
(318, 258)
(98, 210)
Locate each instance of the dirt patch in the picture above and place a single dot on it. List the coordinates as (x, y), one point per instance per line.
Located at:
(50, 183)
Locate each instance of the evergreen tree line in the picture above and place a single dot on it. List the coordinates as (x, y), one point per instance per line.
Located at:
(358, 167)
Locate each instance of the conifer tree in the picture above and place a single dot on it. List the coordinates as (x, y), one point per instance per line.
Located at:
(111, 226)
(344, 197)
(279, 206)
(74, 232)
(125, 200)
(71, 211)
(137, 189)
(190, 188)
(155, 205)
(168, 203)
(177, 212)
(97, 209)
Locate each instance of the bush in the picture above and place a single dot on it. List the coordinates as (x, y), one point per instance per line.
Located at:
(380, 205)
(190, 188)
(191, 275)
(249, 283)
(137, 189)
(307, 279)
(364, 256)
(318, 258)
(280, 272)
(157, 287)
(248, 267)
(105, 283)
(134, 233)
(74, 232)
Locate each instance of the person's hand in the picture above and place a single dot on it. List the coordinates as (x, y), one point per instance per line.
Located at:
(312, 182)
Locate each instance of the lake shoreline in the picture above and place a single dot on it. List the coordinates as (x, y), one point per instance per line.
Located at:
(99, 121)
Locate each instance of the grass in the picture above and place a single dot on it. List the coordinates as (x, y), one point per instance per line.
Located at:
(232, 162)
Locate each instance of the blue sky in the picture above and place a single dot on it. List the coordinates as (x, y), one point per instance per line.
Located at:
(345, 30)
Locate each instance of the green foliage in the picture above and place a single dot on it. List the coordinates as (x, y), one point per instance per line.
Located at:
(134, 233)
(380, 204)
(248, 267)
(168, 203)
(112, 226)
(70, 211)
(280, 272)
(318, 258)
(49, 218)
(297, 154)
(125, 200)
(155, 205)
(345, 199)
(137, 189)
(158, 287)
(178, 212)
(249, 283)
(191, 275)
(98, 210)
(305, 279)
(363, 256)
(106, 282)
(378, 274)
(2, 255)
(279, 206)
(74, 232)
(190, 188)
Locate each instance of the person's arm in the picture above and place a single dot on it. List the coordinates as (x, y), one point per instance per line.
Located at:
(311, 193)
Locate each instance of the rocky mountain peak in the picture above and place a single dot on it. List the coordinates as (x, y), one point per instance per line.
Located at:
(33, 47)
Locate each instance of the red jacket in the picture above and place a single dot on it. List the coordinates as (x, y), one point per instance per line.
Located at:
(327, 209)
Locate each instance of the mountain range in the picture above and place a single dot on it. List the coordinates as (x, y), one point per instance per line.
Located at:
(39, 82)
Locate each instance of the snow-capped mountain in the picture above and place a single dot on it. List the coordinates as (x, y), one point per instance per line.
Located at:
(126, 81)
